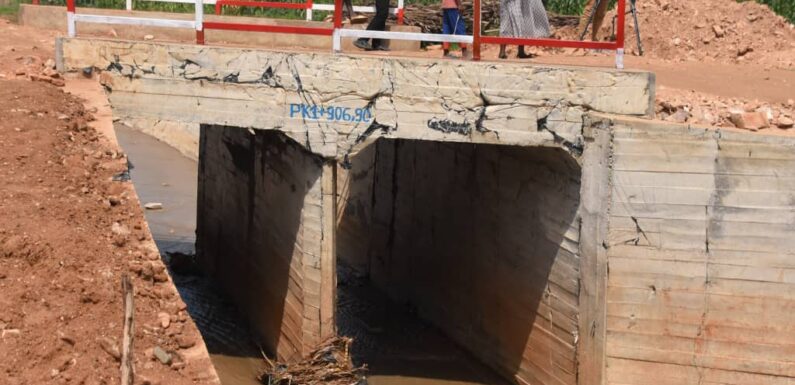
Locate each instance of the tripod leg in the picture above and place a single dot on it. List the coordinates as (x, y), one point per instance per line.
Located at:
(347, 7)
(637, 26)
(590, 18)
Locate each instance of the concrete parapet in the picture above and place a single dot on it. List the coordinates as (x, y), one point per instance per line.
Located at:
(335, 105)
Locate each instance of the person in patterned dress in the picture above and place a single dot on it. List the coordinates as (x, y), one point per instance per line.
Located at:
(522, 18)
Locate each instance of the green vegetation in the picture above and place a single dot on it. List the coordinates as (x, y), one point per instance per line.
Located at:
(565, 7)
(784, 8)
(9, 10)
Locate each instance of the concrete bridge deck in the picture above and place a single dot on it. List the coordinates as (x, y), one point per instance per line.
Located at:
(492, 197)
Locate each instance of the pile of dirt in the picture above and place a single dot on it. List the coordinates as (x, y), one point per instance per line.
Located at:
(329, 364)
(31, 61)
(707, 30)
(692, 107)
(68, 233)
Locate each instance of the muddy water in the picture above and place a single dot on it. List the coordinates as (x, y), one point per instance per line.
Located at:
(161, 174)
(398, 348)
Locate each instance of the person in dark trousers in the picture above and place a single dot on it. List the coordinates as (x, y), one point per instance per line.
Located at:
(453, 24)
(378, 23)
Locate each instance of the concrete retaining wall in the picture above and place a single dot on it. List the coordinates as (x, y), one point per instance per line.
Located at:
(701, 286)
(265, 233)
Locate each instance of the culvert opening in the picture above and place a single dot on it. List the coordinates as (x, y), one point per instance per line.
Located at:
(455, 263)
(459, 262)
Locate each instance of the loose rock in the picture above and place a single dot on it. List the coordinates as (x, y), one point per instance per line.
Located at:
(153, 206)
(164, 319)
(110, 347)
(11, 333)
(185, 342)
(750, 120)
(785, 122)
(162, 356)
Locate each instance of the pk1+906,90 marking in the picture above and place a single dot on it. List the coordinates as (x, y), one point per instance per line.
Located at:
(330, 113)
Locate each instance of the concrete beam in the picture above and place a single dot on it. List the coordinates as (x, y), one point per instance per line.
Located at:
(402, 98)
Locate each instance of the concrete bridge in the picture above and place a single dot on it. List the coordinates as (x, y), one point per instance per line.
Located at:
(492, 197)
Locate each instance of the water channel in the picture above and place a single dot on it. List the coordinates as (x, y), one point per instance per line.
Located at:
(397, 347)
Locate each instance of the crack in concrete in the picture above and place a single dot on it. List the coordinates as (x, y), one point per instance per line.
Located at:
(640, 232)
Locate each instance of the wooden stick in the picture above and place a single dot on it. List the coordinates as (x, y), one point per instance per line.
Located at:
(127, 370)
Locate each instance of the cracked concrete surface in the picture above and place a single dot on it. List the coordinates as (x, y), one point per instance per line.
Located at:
(407, 98)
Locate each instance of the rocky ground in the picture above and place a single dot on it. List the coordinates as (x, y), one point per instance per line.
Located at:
(70, 227)
(716, 61)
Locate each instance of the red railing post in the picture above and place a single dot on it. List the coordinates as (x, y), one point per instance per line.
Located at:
(621, 12)
(70, 18)
(476, 30)
(35, 2)
(338, 14)
(218, 5)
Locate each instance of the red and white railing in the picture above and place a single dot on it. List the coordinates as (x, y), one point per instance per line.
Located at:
(336, 31)
(72, 18)
(309, 6)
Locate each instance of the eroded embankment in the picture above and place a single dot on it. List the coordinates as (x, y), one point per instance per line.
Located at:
(71, 227)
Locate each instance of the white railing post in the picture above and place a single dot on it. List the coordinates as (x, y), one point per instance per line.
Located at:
(70, 18)
(336, 41)
(129, 5)
(70, 24)
(199, 21)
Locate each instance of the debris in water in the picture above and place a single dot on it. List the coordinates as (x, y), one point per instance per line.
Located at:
(153, 206)
(330, 364)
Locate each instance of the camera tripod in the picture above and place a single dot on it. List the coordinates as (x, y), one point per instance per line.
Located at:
(632, 9)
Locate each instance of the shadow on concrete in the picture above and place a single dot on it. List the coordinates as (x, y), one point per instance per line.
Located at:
(252, 186)
(472, 239)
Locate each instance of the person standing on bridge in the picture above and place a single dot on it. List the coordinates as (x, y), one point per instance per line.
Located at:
(378, 23)
(453, 24)
(522, 18)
